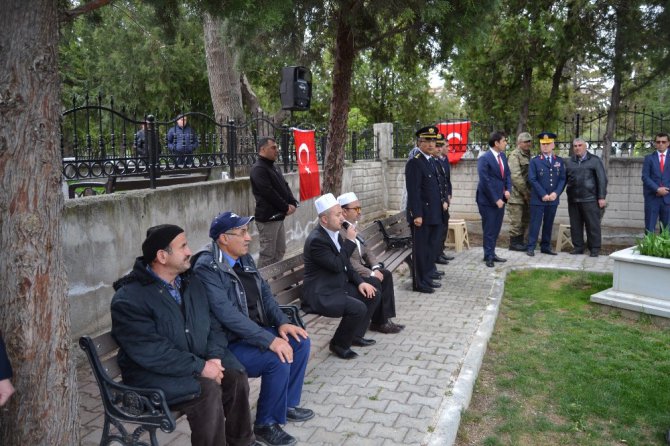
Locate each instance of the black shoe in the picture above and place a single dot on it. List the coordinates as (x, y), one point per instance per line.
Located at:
(400, 326)
(498, 259)
(489, 263)
(421, 289)
(441, 261)
(439, 273)
(575, 252)
(434, 284)
(273, 435)
(594, 254)
(530, 253)
(549, 252)
(342, 352)
(362, 342)
(387, 328)
(299, 414)
(446, 257)
(436, 276)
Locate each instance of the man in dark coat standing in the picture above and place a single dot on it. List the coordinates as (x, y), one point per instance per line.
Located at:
(161, 321)
(547, 181)
(274, 202)
(493, 191)
(444, 177)
(332, 287)
(424, 210)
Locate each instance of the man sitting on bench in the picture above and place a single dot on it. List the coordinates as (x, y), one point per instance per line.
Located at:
(332, 287)
(260, 334)
(161, 321)
(373, 272)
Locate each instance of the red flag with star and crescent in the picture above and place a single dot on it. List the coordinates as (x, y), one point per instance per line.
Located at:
(457, 135)
(308, 165)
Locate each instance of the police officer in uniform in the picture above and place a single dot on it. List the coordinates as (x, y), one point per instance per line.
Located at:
(444, 177)
(547, 179)
(424, 210)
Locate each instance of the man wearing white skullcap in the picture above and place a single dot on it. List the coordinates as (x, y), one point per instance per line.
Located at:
(332, 287)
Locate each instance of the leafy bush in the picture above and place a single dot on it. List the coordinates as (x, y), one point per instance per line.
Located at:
(655, 245)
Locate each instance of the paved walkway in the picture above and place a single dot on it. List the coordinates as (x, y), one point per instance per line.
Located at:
(408, 389)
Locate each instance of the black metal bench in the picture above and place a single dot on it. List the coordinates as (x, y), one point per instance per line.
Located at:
(388, 239)
(145, 408)
(116, 183)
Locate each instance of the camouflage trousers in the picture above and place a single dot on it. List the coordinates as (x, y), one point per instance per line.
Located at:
(519, 218)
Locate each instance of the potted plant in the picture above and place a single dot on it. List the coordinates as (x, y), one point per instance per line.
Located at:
(640, 281)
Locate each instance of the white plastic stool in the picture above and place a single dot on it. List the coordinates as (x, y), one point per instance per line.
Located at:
(457, 237)
(563, 239)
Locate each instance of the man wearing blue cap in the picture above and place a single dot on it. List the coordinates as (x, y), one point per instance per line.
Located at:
(260, 334)
(493, 191)
(424, 210)
(546, 175)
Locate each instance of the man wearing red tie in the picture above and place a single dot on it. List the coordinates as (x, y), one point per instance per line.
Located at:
(656, 180)
(493, 191)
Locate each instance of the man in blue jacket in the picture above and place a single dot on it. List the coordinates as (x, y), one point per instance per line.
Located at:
(656, 185)
(493, 191)
(161, 321)
(182, 141)
(259, 333)
(546, 175)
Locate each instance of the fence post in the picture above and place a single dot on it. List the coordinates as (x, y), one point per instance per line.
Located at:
(577, 129)
(232, 146)
(152, 144)
(353, 147)
(284, 145)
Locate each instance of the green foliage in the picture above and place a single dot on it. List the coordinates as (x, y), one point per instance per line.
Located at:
(655, 245)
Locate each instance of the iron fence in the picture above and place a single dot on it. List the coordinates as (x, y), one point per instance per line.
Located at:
(99, 140)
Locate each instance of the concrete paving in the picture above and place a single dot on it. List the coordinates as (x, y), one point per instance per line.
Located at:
(409, 388)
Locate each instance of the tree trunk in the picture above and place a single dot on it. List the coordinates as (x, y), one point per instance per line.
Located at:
(224, 79)
(522, 125)
(34, 310)
(339, 105)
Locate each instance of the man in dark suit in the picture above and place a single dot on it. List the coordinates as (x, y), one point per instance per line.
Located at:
(493, 191)
(332, 287)
(656, 183)
(6, 388)
(546, 175)
(424, 210)
(444, 177)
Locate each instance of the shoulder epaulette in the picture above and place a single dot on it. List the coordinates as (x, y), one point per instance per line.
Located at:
(418, 155)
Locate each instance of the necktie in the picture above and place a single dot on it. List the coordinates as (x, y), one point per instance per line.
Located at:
(662, 162)
(502, 169)
(431, 161)
(549, 160)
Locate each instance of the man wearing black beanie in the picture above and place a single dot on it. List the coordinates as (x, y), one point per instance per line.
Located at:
(161, 321)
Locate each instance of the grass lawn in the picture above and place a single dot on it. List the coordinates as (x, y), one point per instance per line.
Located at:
(562, 371)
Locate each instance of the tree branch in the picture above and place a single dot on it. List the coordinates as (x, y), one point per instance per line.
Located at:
(71, 14)
(381, 37)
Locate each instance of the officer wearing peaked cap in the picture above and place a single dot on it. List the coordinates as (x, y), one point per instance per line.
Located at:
(424, 209)
(546, 175)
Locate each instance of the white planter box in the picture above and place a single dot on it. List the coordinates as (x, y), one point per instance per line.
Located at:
(641, 283)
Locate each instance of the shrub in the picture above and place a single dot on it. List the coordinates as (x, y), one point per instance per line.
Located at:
(655, 245)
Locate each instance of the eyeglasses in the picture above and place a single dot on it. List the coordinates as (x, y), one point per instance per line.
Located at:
(357, 208)
(244, 233)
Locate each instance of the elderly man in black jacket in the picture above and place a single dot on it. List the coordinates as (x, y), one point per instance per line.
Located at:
(260, 334)
(274, 201)
(161, 321)
(587, 189)
(332, 287)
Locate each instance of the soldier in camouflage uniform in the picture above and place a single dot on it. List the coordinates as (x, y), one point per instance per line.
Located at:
(518, 207)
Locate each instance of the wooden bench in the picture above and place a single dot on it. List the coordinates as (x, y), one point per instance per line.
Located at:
(146, 408)
(116, 183)
(388, 239)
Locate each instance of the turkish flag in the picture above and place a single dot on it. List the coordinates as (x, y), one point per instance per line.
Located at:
(457, 135)
(308, 166)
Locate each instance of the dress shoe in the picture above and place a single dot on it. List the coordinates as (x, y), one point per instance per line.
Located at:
(530, 253)
(439, 273)
(575, 252)
(549, 252)
(594, 254)
(362, 342)
(387, 328)
(498, 259)
(434, 284)
(299, 414)
(400, 326)
(273, 435)
(436, 276)
(489, 263)
(426, 290)
(441, 261)
(342, 352)
(446, 257)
